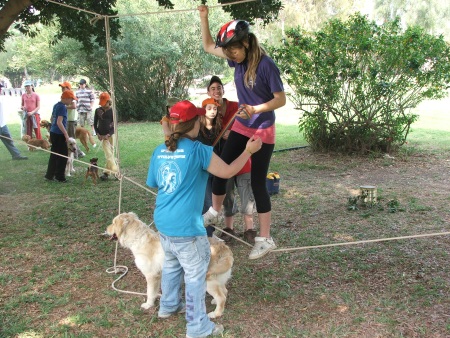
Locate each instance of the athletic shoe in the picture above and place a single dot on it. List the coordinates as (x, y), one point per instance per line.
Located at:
(181, 309)
(212, 217)
(20, 158)
(262, 247)
(225, 237)
(249, 236)
(218, 329)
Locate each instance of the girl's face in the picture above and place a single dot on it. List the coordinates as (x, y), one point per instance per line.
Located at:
(211, 111)
(216, 91)
(236, 54)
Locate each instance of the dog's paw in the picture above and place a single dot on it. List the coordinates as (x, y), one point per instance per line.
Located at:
(72, 170)
(213, 315)
(146, 306)
(213, 302)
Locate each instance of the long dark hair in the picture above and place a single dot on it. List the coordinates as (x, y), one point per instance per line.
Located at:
(254, 52)
(179, 130)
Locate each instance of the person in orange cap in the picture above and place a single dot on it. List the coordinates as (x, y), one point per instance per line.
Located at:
(104, 128)
(72, 115)
(58, 138)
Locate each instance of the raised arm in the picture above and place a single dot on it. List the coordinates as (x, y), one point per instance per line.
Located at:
(209, 44)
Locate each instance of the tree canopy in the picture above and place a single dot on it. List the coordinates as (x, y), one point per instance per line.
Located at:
(25, 14)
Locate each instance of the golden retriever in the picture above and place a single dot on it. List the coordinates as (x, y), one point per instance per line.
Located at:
(44, 144)
(146, 247)
(80, 133)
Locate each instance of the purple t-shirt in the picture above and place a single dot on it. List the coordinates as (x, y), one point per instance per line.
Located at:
(268, 81)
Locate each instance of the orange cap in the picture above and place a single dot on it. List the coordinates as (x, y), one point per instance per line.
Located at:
(210, 101)
(68, 94)
(66, 84)
(104, 97)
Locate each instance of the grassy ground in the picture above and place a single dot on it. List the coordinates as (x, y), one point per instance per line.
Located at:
(53, 275)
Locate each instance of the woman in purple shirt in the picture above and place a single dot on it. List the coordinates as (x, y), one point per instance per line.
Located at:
(260, 91)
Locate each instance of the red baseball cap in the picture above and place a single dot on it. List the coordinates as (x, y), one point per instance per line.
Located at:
(184, 111)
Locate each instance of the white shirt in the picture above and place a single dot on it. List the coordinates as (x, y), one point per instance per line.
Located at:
(2, 119)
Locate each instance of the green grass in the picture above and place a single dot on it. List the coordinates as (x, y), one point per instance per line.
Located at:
(54, 259)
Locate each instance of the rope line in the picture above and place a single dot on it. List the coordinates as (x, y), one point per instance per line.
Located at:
(117, 174)
(362, 242)
(73, 7)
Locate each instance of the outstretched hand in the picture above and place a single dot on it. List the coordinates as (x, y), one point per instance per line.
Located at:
(254, 144)
(203, 9)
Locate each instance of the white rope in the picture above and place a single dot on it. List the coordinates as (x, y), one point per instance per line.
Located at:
(178, 10)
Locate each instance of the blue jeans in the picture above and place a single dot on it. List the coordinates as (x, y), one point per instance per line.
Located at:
(207, 203)
(4, 131)
(188, 257)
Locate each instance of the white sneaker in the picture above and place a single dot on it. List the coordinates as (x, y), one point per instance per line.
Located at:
(262, 246)
(218, 329)
(212, 217)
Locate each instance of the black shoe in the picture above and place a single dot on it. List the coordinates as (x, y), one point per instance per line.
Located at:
(62, 181)
(19, 158)
(104, 177)
(49, 179)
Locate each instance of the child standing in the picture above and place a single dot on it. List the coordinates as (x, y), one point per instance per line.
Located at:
(184, 164)
(210, 125)
(58, 138)
(165, 121)
(104, 128)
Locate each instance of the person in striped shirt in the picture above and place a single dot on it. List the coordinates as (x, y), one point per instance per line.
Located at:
(85, 105)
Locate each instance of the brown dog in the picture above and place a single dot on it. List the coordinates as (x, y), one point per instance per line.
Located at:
(34, 143)
(146, 247)
(84, 136)
(45, 124)
(92, 170)
(81, 133)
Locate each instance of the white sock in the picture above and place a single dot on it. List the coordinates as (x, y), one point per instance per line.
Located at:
(212, 211)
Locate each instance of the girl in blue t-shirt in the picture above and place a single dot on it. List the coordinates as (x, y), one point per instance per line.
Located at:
(260, 91)
(179, 169)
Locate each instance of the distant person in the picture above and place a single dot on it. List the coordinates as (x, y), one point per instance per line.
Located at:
(31, 103)
(165, 121)
(104, 127)
(85, 105)
(6, 137)
(71, 111)
(59, 137)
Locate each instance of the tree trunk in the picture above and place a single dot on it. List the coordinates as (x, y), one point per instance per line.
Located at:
(10, 11)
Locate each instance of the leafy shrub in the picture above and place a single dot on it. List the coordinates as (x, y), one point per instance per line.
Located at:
(355, 81)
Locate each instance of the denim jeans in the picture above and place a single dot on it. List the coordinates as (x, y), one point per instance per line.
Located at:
(207, 203)
(188, 257)
(9, 144)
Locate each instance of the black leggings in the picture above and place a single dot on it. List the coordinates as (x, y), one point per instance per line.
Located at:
(234, 147)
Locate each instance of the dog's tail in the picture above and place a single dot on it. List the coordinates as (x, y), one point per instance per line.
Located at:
(91, 140)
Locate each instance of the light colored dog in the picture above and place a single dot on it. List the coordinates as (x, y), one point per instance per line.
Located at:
(35, 142)
(146, 247)
(73, 150)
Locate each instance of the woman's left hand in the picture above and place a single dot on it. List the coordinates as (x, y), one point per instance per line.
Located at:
(245, 111)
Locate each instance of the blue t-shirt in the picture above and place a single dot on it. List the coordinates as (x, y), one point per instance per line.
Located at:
(268, 81)
(59, 109)
(180, 177)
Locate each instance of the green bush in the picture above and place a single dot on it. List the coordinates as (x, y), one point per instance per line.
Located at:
(355, 81)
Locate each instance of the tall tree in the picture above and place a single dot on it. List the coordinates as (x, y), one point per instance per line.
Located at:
(25, 14)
